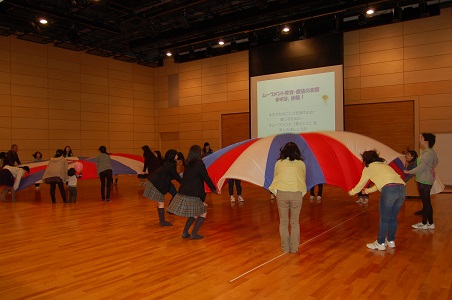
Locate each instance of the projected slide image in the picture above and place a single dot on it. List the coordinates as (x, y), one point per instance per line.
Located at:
(296, 104)
(298, 101)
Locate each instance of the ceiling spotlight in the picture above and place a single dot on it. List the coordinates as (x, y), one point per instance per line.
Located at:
(221, 42)
(168, 53)
(370, 11)
(43, 21)
(286, 29)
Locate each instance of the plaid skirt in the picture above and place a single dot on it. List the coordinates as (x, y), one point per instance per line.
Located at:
(187, 206)
(152, 193)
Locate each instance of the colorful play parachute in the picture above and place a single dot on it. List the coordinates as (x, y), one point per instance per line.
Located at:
(332, 157)
(120, 162)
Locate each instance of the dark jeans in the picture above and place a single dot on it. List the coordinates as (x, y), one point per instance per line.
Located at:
(238, 186)
(427, 210)
(53, 185)
(320, 191)
(72, 193)
(106, 178)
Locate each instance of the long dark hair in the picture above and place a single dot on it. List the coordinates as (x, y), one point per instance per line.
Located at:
(169, 157)
(146, 150)
(158, 154)
(291, 151)
(371, 156)
(194, 154)
(35, 155)
(413, 155)
(181, 157)
(66, 153)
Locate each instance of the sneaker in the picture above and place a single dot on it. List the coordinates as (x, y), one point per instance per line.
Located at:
(390, 244)
(312, 198)
(376, 246)
(319, 198)
(232, 199)
(360, 200)
(421, 226)
(240, 198)
(365, 200)
(430, 226)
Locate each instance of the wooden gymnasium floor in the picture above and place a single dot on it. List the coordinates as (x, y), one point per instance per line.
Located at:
(117, 250)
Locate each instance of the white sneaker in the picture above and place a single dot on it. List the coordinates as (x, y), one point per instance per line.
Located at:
(365, 200)
(421, 226)
(360, 200)
(240, 198)
(430, 226)
(390, 244)
(232, 199)
(319, 198)
(375, 245)
(312, 198)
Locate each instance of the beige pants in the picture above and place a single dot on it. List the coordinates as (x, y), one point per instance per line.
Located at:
(289, 207)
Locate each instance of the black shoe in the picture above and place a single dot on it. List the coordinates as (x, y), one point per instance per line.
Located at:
(419, 213)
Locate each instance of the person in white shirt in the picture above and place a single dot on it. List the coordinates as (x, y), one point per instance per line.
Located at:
(72, 184)
(10, 177)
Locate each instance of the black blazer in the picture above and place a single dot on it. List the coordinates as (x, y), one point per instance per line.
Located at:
(162, 177)
(151, 163)
(195, 174)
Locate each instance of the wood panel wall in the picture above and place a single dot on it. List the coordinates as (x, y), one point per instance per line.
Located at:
(391, 123)
(235, 128)
(208, 88)
(404, 61)
(52, 97)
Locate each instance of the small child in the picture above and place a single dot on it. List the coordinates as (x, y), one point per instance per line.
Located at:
(72, 184)
(411, 163)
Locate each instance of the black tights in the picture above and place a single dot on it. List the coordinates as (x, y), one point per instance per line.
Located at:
(53, 185)
(106, 178)
(427, 210)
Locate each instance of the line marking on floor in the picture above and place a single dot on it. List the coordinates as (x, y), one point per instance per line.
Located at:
(304, 243)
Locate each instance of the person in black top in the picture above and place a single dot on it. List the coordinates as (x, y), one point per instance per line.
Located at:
(151, 163)
(159, 183)
(206, 150)
(189, 200)
(12, 158)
